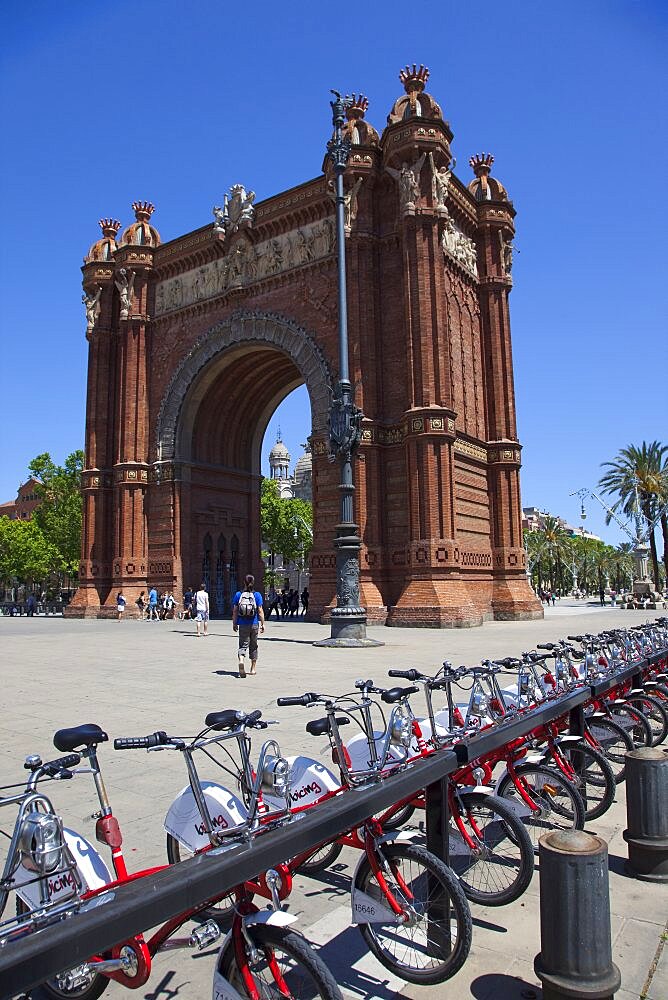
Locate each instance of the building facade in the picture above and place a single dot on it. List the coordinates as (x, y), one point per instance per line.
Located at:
(182, 335)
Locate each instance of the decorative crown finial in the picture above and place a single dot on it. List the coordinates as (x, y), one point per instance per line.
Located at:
(357, 108)
(109, 227)
(414, 80)
(482, 164)
(143, 210)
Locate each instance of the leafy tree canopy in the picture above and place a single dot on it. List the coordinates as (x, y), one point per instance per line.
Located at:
(284, 522)
(59, 516)
(25, 553)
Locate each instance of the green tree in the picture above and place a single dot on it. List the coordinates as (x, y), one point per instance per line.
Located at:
(285, 524)
(25, 554)
(639, 478)
(60, 513)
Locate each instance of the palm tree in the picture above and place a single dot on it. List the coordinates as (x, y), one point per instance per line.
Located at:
(555, 542)
(639, 477)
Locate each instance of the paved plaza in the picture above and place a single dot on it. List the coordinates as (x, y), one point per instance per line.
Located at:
(135, 677)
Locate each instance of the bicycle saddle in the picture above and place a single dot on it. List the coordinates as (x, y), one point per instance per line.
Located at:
(318, 727)
(79, 736)
(395, 694)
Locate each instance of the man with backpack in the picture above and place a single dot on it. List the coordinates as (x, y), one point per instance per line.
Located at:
(248, 620)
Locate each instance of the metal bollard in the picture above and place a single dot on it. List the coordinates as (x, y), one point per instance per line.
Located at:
(647, 813)
(575, 960)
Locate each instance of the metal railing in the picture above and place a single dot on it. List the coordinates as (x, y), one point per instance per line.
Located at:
(153, 899)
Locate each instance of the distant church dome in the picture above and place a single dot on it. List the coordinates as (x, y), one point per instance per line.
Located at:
(303, 477)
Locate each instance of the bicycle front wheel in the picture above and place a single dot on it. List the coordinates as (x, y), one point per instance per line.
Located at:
(560, 805)
(655, 713)
(282, 964)
(221, 911)
(594, 778)
(634, 723)
(433, 942)
(615, 743)
(498, 868)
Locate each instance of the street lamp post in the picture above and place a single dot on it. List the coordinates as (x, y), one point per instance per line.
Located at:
(348, 618)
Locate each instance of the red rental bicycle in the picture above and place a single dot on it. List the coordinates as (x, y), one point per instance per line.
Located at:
(260, 955)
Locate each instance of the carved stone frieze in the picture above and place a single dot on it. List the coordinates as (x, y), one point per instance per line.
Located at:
(473, 450)
(245, 264)
(459, 247)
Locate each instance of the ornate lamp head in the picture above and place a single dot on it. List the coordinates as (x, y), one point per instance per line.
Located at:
(143, 210)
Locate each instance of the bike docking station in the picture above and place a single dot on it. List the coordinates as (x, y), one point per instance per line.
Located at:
(575, 960)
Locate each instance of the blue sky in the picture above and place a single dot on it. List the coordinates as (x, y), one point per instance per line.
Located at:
(105, 104)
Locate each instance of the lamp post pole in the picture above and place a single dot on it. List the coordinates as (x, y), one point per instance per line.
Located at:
(348, 618)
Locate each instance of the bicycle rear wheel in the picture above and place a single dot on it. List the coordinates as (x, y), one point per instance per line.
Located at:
(303, 973)
(435, 941)
(500, 866)
(615, 743)
(560, 804)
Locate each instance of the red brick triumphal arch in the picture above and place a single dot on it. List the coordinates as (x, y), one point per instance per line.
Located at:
(194, 342)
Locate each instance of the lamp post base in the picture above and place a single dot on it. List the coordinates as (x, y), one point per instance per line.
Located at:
(348, 630)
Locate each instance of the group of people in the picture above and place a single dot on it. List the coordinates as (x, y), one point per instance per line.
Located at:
(548, 597)
(286, 602)
(157, 607)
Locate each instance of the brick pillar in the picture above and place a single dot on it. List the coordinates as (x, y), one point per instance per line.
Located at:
(131, 468)
(512, 596)
(433, 592)
(95, 571)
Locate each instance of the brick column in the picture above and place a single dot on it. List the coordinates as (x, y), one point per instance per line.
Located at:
(131, 469)
(95, 570)
(512, 597)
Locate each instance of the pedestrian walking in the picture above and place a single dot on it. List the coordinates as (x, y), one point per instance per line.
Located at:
(30, 606)
(601, 594)
(120, 605)
(141, 604)
(187, 601)
(294, 602)
(248, 621)
(202, 610)
(272, 601)
(304, 599)
(153, 604)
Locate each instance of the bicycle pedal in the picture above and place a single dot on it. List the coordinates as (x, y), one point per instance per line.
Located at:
(205, 935)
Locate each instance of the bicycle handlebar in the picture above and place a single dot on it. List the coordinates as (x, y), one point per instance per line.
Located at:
(303, 699)
(409, 675)
(141, 742)
(545, 645)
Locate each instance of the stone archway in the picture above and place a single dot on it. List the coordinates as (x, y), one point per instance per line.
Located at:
(209, 433)
(242, 329)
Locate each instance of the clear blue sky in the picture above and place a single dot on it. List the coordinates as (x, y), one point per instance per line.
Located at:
(107, 103)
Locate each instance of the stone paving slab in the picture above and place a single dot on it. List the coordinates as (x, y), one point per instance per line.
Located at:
(135, 677)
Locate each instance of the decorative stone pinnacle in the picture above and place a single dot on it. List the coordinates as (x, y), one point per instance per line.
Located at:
(143, 210)
(414, 80)
(109, 227)
(357, 108)
(482, 164)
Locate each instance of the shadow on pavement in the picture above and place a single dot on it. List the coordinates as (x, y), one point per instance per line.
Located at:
(503, 987)
(619, 865)
(300, 642)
